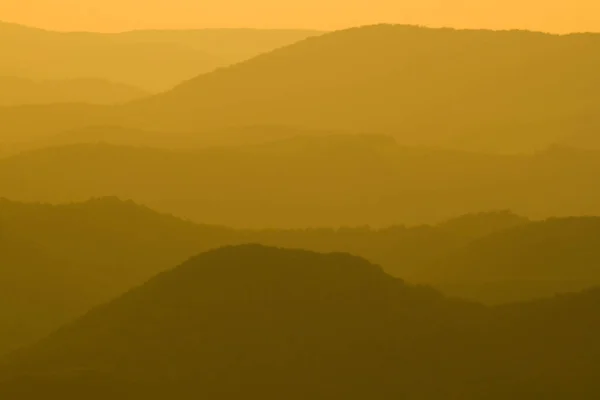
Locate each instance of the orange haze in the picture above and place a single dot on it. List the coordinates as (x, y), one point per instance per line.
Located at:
(118, 15)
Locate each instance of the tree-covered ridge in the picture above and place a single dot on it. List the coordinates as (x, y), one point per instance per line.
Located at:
(67, 258)
(268, 323)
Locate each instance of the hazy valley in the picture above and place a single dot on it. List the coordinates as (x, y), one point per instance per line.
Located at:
(381, 212)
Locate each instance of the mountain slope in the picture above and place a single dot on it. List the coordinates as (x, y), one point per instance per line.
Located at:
(231, 45)
(56, 262)
(311, 182)
(270, 323)
(152, 60)
(64, 259)
(323, 182)
(40, 291)
(19, 91)
(258, 321)
(506, 91)
(535, 259)
(476, 89)
(38, 54)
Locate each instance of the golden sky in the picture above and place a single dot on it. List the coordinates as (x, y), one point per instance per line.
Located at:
(118, 15)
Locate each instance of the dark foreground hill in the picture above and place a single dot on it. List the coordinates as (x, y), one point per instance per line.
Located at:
(21, 91)
(250, 321)
(59, 261)
(265, 323)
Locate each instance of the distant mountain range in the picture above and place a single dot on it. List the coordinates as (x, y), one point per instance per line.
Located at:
(509, 91)
(311, 181)
(385, 212)
(258, 322)
(476, 89)
(152, 60)
(21, 91)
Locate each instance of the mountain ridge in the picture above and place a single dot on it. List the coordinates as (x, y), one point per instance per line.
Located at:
(493, 91)
(125, 57)
(265, 322)
(370, 179)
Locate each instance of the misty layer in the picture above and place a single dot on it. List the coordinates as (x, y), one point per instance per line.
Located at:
(314, 181)
(479, 90)
(384, 212)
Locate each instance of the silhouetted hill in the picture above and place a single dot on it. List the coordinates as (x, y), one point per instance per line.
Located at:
(551, 353)
(312, 182)
(111, 232)
(63, 259)
(96, 250)
(257, 322)
(153, 60)
(20, 91)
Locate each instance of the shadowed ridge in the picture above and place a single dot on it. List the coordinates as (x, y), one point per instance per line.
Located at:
(37, 289)
(263, 319)
(255, 260)
(265, 323)
(58, 261)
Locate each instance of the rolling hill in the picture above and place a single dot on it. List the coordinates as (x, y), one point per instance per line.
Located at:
(20, 91)
(259, 322)
(231, 45)
(500, 91)
(56, 262)
(152, 60)
(64, 259)
(39, 289)
(314, 181)
(534, 259)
